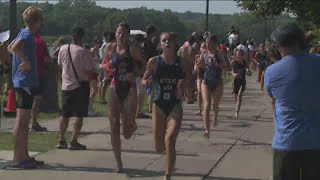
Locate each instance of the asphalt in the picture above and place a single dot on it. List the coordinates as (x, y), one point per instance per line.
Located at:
(239, 149)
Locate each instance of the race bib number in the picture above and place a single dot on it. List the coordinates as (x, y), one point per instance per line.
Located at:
(122, 77)
(166, 96)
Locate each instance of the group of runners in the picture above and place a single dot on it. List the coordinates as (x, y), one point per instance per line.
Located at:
(169, 77)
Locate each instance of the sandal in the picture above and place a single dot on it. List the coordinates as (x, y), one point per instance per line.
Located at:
(27, 164)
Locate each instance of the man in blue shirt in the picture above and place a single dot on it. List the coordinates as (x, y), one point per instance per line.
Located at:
(25, 80)
(293, 83)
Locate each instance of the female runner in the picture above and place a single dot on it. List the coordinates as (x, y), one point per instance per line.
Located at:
(213, 62)
(199, 71)
(123, 93)
(239, 70)
(166, 74)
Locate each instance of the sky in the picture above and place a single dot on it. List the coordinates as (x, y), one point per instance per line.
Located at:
(215, 6)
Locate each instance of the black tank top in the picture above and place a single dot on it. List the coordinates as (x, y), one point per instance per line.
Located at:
(165, 80)
(241, 69)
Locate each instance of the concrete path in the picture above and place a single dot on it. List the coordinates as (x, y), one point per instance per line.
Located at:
(239, 149)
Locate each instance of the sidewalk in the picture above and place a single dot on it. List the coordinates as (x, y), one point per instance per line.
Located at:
(239, 149)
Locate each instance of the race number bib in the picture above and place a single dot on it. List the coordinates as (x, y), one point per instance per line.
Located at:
(166, 96)
(122, 77)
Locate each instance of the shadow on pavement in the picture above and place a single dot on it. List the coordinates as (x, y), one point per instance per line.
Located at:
(128, 171)
(141, 152)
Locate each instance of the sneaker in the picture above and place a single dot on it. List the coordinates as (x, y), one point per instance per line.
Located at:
(77, 146)
(62, 145)
(27, 164)
(142, 115)
(38, 128)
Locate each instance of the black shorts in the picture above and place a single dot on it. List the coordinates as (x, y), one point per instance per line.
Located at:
(24, 100)
(237, 84)
(75, 102)
(290, 165)
(42, 86)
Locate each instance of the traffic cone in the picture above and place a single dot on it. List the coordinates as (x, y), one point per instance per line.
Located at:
(11, 103)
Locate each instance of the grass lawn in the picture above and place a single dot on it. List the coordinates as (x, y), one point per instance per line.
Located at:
(38, 142)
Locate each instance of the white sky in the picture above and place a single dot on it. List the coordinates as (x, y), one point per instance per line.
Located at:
(215, 7)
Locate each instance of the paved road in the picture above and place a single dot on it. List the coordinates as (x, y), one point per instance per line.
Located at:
(239, 149)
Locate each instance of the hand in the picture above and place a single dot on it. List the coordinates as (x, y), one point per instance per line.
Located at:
(235, 75)
(104, 66)
(24, 66)
(149, 82)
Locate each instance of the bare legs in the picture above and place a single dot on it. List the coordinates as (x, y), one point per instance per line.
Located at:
(93, 93)
(77, 126)
(209, 96)
(128, 111)
(20, 135)
(35, 110)
(259, 72)
(165, 133)
(199, 95)
(206, 98)
(102, 91)
(262, 81)
(238, 99)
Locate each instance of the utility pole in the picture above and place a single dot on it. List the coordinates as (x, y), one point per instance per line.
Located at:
(207, 14)
(13, 18)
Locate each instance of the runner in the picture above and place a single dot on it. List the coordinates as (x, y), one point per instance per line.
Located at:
(123, 92)
(239, 70)
(106, 76)
(166, 73)
(212, 61)
(188, 54)
(43, 58)
(150, 50)
(199, 73)
(259, 60)
(93, 78)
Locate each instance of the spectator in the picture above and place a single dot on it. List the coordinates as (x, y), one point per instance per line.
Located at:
(292, 83)
(77, 63)
(43, 57)
(93, 77)
(25, 80)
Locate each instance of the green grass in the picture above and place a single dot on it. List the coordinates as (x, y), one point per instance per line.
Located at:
(227, 78)
(38, 142)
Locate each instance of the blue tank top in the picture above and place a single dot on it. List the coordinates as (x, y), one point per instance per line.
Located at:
(212, 72)
(165, 80)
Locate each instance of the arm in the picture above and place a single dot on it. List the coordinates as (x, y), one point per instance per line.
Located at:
(200, 62)
(59, 54)
(146, 80)
(15, 48)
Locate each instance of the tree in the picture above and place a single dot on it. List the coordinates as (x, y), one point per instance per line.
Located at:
(307, 11)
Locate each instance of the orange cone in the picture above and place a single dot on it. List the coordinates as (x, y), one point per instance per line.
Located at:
(11, 103)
